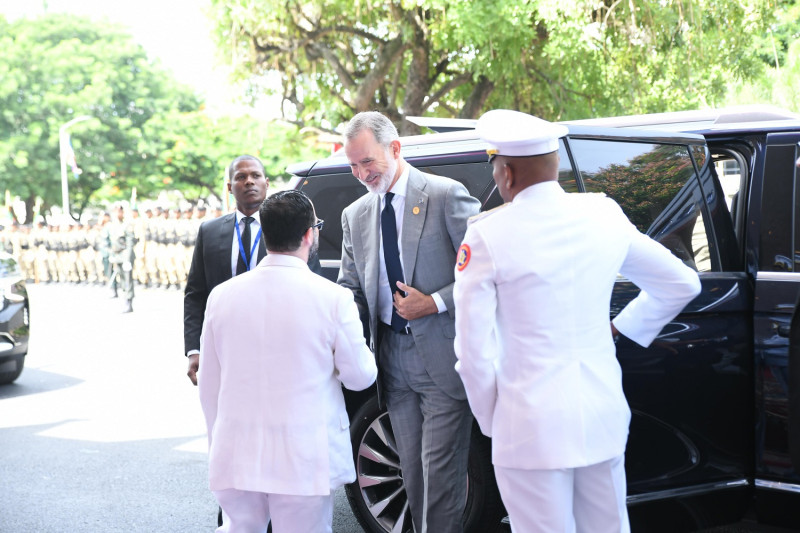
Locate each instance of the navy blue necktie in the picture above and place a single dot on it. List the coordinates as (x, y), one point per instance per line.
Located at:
(241, 264)
(391, 256)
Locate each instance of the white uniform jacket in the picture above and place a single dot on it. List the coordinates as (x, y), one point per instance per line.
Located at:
(277, 344)
(536, 355)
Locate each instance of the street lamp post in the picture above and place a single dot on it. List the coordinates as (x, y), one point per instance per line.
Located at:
(63, 141)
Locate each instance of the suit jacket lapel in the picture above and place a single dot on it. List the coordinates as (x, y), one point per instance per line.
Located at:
(224, 240)
(413, 221)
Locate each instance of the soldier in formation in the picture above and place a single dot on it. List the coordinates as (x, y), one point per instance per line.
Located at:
(120, 241)
(160, 253)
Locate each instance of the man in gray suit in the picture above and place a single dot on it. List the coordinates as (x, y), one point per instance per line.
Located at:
(398, 257)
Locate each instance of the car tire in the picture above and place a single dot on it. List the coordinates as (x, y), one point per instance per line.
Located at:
(11, 369)
(377, 497)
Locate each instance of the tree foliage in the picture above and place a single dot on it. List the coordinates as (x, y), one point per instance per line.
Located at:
(144, 130)
(59, 67)
(559, 60)
(779, 49)
(190, 151)
(645, 185)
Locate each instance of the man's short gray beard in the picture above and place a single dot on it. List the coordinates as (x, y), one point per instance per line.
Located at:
(386, 178)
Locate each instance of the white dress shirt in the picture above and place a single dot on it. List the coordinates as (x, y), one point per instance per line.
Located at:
(385, 302)
(255, 229)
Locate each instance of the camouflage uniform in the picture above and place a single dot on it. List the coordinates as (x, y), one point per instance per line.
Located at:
(121, 240)
(69, 256)
(140, 249)
(102, 247)
(151, 249)
(27, 254)
(164, 260)
(88, 254)
(52, 247)
(39, 245)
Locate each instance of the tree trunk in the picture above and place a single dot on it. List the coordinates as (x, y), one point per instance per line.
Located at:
(474, 104)
(30, 201)
(416, 90)
(418, 82)
(389, 53)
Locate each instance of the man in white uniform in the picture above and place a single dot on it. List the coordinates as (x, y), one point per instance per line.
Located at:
(278, 343)
(535, 347)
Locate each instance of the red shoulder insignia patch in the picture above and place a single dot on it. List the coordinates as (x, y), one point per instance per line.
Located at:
(462, 258)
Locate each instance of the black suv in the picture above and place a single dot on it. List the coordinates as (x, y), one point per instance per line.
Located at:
(715, 433)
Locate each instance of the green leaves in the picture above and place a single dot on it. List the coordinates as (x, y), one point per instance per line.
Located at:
(556, 59)
(190, 151)
(59, 67)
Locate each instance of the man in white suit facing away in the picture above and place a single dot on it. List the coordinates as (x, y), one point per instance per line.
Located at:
(536, 351)
(278, 343)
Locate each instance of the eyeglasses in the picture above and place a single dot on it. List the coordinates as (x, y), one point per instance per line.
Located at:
(319, 224)
(492, 154)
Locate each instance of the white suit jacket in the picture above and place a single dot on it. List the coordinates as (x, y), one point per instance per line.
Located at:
(277, 344)
(533, 339)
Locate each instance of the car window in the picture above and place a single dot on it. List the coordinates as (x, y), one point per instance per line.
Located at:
(777, 246)
(476, 177)
(656, 186)
(796, 210)
(731, 170)
(331, 193)
(566, 178)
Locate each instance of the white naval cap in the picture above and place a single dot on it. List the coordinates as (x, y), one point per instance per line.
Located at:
(518, 134)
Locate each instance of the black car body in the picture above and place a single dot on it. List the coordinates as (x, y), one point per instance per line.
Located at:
(714, 434)
(14, 319)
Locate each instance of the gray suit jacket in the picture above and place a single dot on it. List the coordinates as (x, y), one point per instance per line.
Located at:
(430, 239)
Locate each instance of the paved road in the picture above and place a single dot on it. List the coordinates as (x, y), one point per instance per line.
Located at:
(103, 431)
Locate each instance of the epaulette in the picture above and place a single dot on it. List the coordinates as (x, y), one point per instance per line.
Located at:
(484, 214)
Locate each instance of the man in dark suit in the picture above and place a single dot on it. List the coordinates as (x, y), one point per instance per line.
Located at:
(226, 246)
(398, 257)
(221, 250)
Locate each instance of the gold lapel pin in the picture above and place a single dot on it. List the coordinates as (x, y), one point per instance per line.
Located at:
(415, 210)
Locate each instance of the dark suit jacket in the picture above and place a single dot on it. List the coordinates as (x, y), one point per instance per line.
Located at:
(211, 265)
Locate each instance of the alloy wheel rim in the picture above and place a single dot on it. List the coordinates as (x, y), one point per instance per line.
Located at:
(380, 478)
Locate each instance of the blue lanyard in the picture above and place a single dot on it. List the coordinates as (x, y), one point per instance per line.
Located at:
(241, 244)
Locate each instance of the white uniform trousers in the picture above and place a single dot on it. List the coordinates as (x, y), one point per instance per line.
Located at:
(587, 499)
(250, 512)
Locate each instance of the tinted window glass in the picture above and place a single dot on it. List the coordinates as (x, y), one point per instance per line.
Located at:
(476, 177)
(729, 172)
(566, 174)
(776, 210)
(657, 188)
(700, 155)
(331, 194)
(566, 178)
(796, 211)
